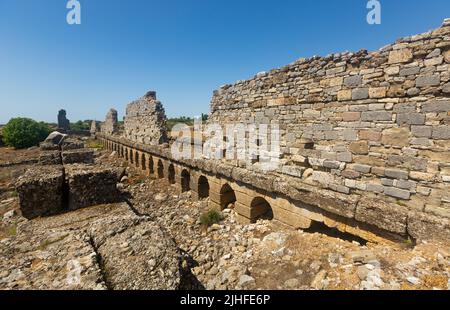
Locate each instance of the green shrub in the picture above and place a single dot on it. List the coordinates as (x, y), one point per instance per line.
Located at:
(24, 132)
(213, 216)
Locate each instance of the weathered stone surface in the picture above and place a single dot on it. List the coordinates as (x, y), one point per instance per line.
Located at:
(425, 226)
(396, 137)
(145, 121)
(131, 246)
(410, 119)
(360, 93)
(110, 126)
(85, 156)
(40, 191)
(90, 185)
(441, 132)
(387, 216)
(436, 106)
(400, 56)
(397, 193)
(376, 116)
(353, 81)
(50, 158)
(359, 148)
(428, 80)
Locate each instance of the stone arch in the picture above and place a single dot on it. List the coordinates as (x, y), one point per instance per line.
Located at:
(151, 165)
(131, 156)
(143, 162)
(171, 174)
(260, 209)
(160, 169)
(203, 187)
(136, 158)
(185, 181)
(227, 196)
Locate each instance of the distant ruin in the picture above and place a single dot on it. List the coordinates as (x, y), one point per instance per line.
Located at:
(110, 126)
(63, 122)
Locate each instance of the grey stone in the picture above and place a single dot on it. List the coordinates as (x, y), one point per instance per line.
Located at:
(409, 71)
(360, 93)
(436, 106)
(396, 174)
(421, 131)
(353, 81)
(428, 80)
(397, 193)
(410, 119)
(376, 116)
(441, 132)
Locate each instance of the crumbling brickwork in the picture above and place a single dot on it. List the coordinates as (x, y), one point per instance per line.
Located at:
(145, 121)
(109, 127)
(372, 124)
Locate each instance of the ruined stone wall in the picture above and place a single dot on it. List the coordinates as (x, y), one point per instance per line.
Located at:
(375, 125)
(145, 121)
(110, 125)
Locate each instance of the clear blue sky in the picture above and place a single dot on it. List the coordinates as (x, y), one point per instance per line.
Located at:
(183, 49)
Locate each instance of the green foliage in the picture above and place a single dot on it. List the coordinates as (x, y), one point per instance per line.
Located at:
(177, 120)
(24, 132)
(213, 216)
(80, 126)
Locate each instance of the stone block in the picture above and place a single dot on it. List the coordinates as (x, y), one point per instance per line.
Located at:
(359, 148)
(353, 81)
(370, 135)
(90, 186)
(351, 116)
(436, 106)
(377, 92)
(421, 131)
(396, 137)
(387, 216)
(400, 56)
(360, 93)
(441, 132)
(396, 174)
(344, 157)
(428, 80)
(50, 158)
(409, 71)
(78, 156)
(424, 226)
(410, 119)
(376, 116)
(71, 144)
(40, 191)
(397, 193)
(344, 95)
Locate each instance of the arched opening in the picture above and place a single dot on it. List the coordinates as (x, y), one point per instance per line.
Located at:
(121, 151)
(171, 174)
(185, 181)
(143, 162)
(151, 165)
(227, 196)
(203, 187)
(131, 156)
(126, 154)
(136, 158)
(261, 209)
(160, 169)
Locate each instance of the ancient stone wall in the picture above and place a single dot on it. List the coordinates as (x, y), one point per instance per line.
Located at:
(63, 122)
(110, 125)
(374, 125)
(145, 121)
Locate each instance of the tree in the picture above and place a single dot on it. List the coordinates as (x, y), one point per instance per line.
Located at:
(24, 132)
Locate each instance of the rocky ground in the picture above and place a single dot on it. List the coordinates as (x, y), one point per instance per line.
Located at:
(154, 240)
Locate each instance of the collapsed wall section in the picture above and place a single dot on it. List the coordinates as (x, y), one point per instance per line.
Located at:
(145, 121)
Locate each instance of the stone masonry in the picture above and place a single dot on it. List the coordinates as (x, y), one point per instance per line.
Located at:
(365, 142)
(110, 125)
(145, 121)
(371, 124)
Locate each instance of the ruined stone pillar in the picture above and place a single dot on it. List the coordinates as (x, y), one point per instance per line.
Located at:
(63, 122)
